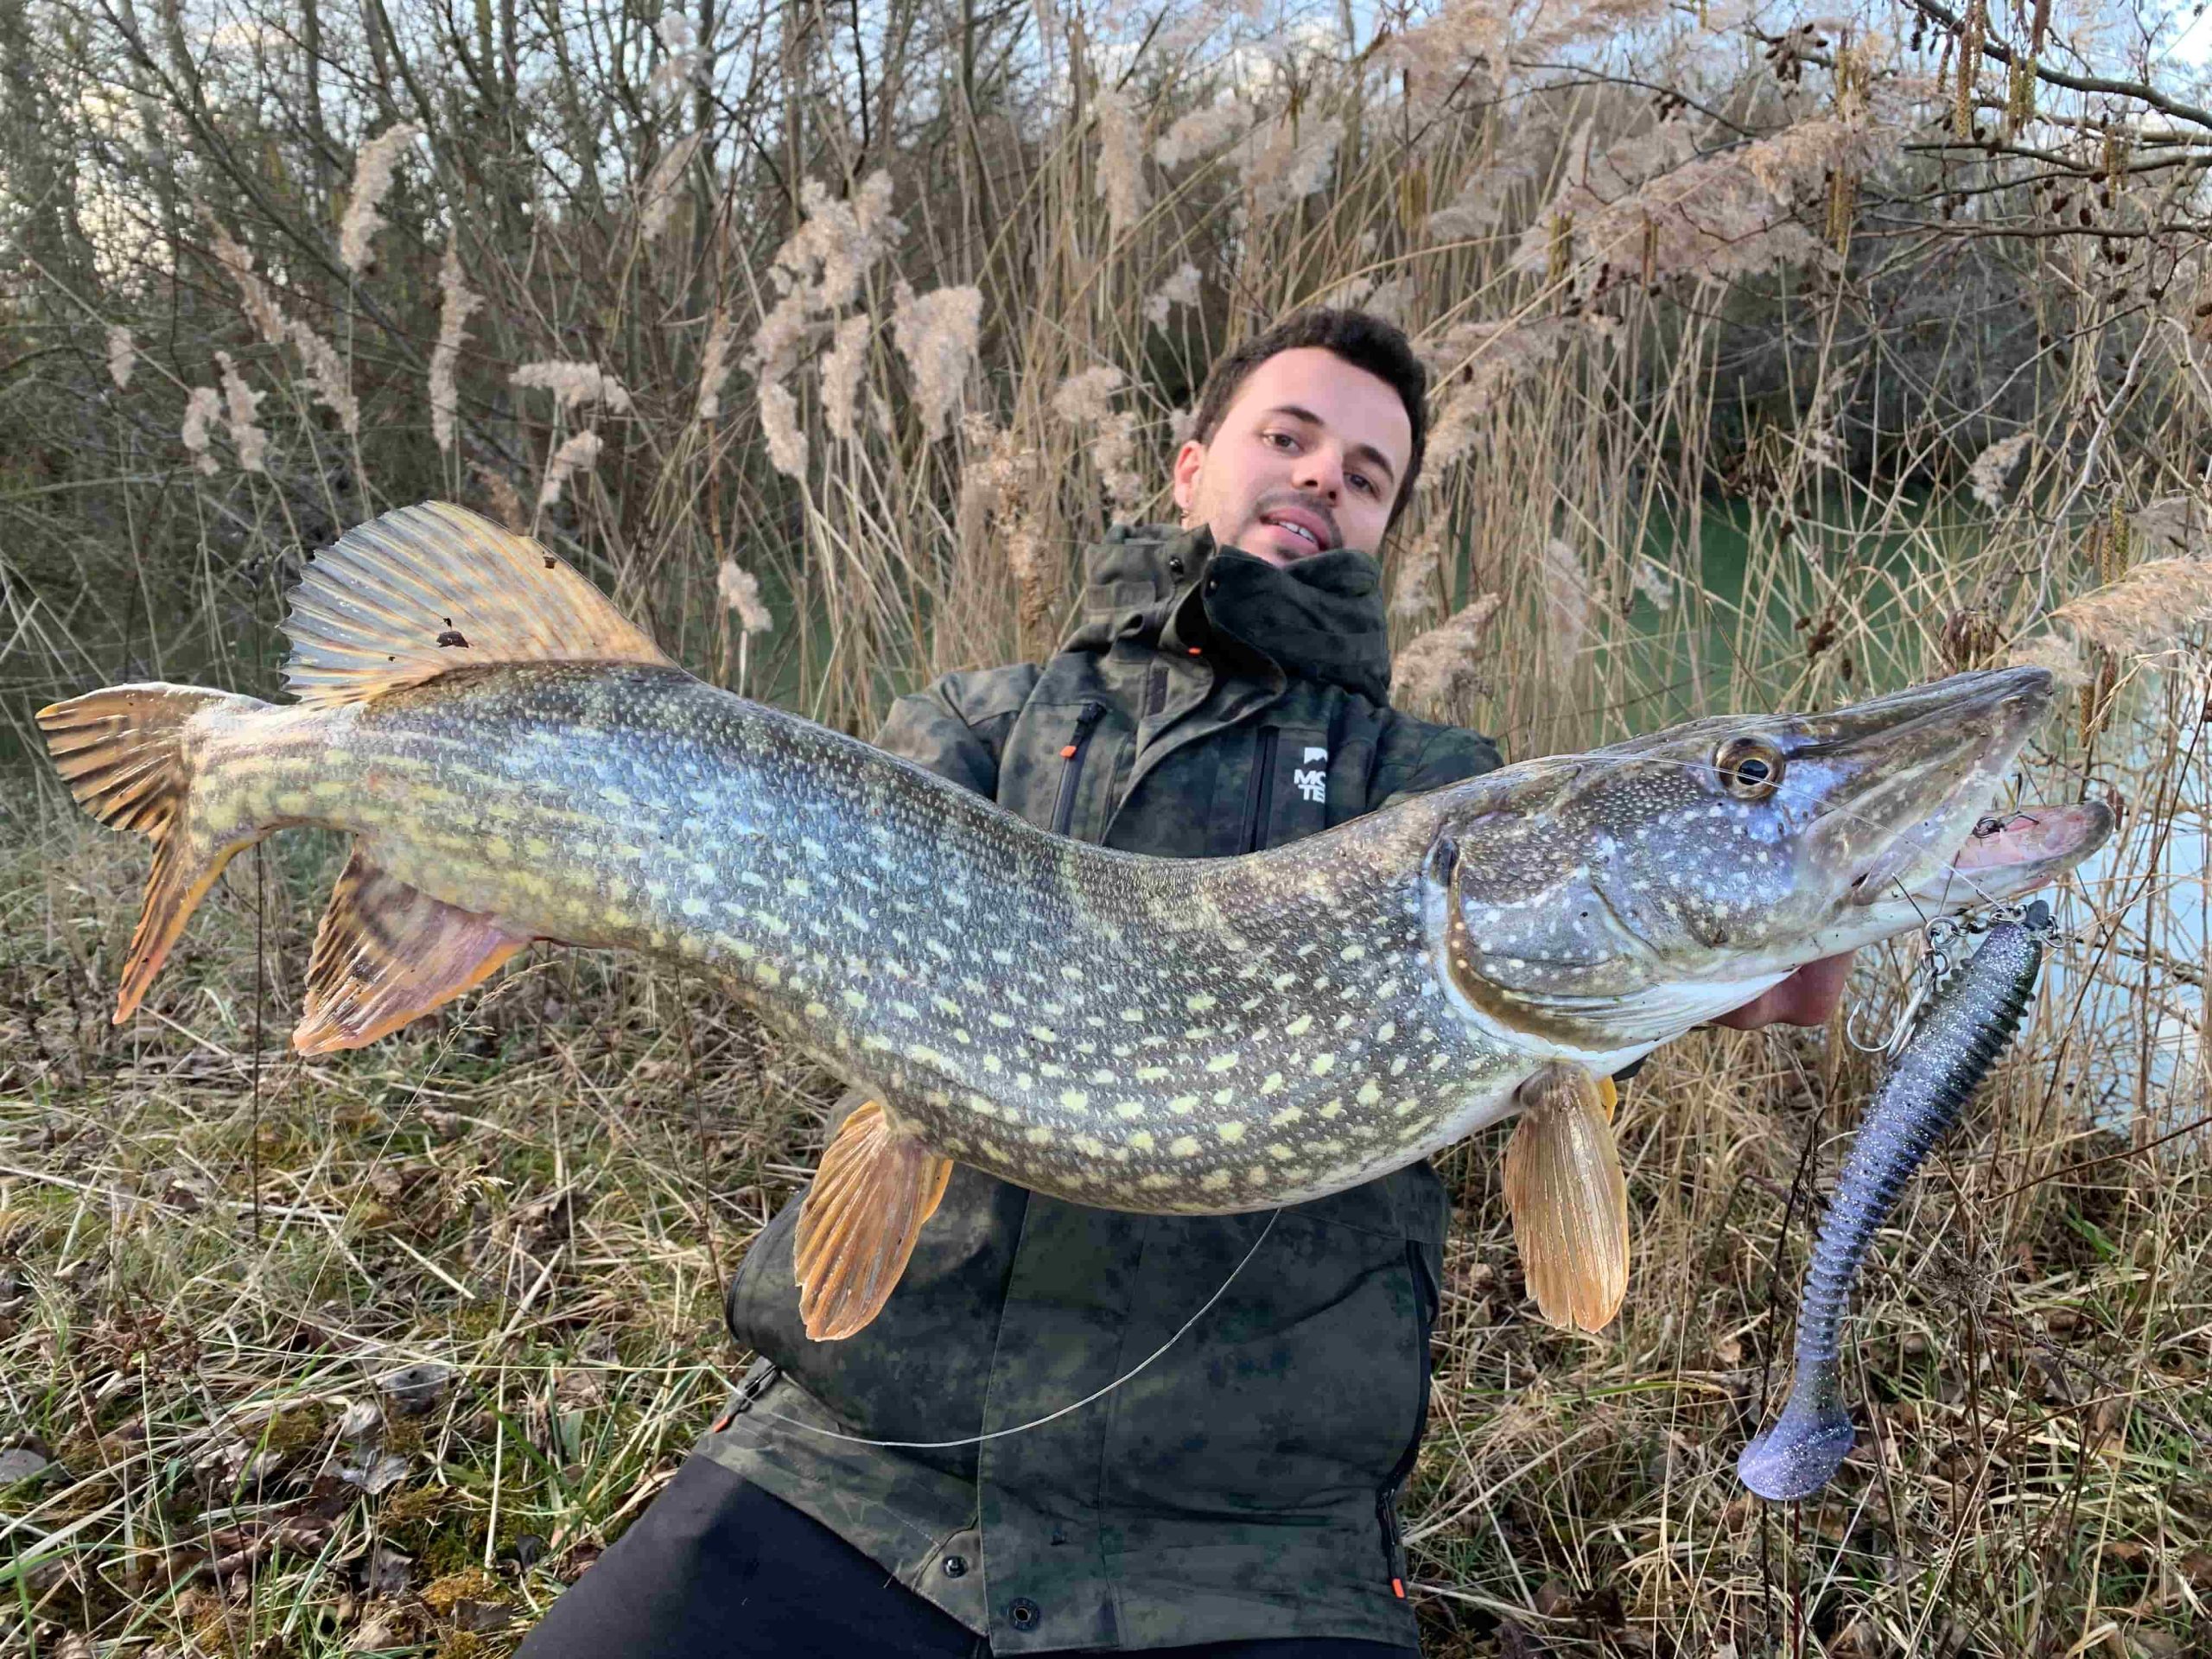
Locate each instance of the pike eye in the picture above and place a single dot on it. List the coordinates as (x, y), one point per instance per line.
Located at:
(1750, 767)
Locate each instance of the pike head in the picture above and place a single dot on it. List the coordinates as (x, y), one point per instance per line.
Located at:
(1596, 905)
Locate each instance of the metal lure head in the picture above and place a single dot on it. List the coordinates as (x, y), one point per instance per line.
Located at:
(1610, 900)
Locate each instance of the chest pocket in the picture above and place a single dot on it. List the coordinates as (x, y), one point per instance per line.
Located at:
(1061, 767)
(1287, 790)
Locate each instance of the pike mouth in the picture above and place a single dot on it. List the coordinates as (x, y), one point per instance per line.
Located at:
(2005, 855)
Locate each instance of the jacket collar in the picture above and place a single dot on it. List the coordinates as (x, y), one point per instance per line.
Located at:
(1321, 618)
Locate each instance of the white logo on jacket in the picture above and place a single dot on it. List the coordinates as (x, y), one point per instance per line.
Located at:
(1312, 781)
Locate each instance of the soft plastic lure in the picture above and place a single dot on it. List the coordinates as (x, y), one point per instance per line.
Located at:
(1965, 1026)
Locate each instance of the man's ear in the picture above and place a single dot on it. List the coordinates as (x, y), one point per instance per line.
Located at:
(1188, 460)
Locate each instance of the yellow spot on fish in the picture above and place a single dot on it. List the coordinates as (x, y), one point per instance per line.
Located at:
(991, 1064)
(1334, 1108)
(1214, 1180)
(1299, 1026)
(1282, 1153)
(852, 998)
(1074, 1099)
(1157, 1179)
(1183, 1105)
(1231, 1133)
(1183, 1145)
(1322, 1064)
(1143, 1141)
(1131, 1110)
(1090, 1146)
(1288, 1116)
(768, 974)
(1370, 1092)
(999, 1020)
(817, 1011)
(695, 905)
(1270, 1083)
(538, 847)
(1045, 1033)
(1201, 1003)
(1151, 1073)
(1222, 1062)
(1038, 1136)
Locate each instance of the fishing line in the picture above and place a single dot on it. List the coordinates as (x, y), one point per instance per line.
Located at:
(1181, 1330)
(253, 1128)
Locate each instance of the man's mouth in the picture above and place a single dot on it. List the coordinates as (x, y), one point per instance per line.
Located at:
(1302, 525)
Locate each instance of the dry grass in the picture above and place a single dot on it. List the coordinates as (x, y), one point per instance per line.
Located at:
(541, 1192)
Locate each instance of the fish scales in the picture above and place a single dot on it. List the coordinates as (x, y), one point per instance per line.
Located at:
(1182, 1036)
(515, 761)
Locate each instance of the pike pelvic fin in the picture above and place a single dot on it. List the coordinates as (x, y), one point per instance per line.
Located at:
(858, 1223)
(1564, 1186)
(387, 953)
(426, 589)
(126, 754)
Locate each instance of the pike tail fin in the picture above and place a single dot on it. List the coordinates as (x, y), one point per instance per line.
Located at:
(126, 753)
(1564, 1186)
(876, 1186)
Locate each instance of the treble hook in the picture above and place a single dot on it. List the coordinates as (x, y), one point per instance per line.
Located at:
(1927, 974)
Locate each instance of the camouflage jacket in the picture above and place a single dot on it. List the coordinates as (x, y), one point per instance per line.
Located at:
(1243, 1485)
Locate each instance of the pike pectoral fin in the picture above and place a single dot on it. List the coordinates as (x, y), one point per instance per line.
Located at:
(387, 953)
(1563, 1184)
(859, 1221)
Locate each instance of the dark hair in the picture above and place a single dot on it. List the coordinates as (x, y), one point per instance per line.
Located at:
(1364, 341)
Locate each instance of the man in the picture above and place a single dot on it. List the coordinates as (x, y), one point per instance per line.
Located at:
(1223, 692)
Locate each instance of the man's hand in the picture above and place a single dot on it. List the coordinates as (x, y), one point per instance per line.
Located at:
(1807, 997)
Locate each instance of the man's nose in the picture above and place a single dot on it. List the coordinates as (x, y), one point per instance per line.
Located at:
(1319, 471)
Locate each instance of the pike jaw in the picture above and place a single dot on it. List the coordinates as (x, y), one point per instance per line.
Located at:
(1596, 905)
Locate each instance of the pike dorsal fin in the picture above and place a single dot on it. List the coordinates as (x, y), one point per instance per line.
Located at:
(426, 589)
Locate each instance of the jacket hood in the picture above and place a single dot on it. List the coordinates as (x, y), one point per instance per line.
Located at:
(1321, 618)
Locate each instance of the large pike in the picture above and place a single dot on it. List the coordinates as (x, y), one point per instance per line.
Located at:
(515, 761)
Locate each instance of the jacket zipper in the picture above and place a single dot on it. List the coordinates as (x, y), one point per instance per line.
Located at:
(1386, 1500)
(1263, 789)
(1072, 755)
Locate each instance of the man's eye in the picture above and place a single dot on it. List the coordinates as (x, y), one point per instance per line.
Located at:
(1364, 482)
(1271, 437)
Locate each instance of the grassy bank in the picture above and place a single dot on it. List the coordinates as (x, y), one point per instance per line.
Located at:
(215, 1276)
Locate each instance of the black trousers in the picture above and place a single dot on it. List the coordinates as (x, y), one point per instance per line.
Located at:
(716, 1568)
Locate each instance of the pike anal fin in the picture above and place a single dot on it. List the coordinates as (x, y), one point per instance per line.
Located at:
(858, 1223)
(1569, 1201)
(387, 953)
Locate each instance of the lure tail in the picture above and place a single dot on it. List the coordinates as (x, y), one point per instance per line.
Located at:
(127, 754)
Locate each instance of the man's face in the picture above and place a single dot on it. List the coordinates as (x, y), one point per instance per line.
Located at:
(1311, 444)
